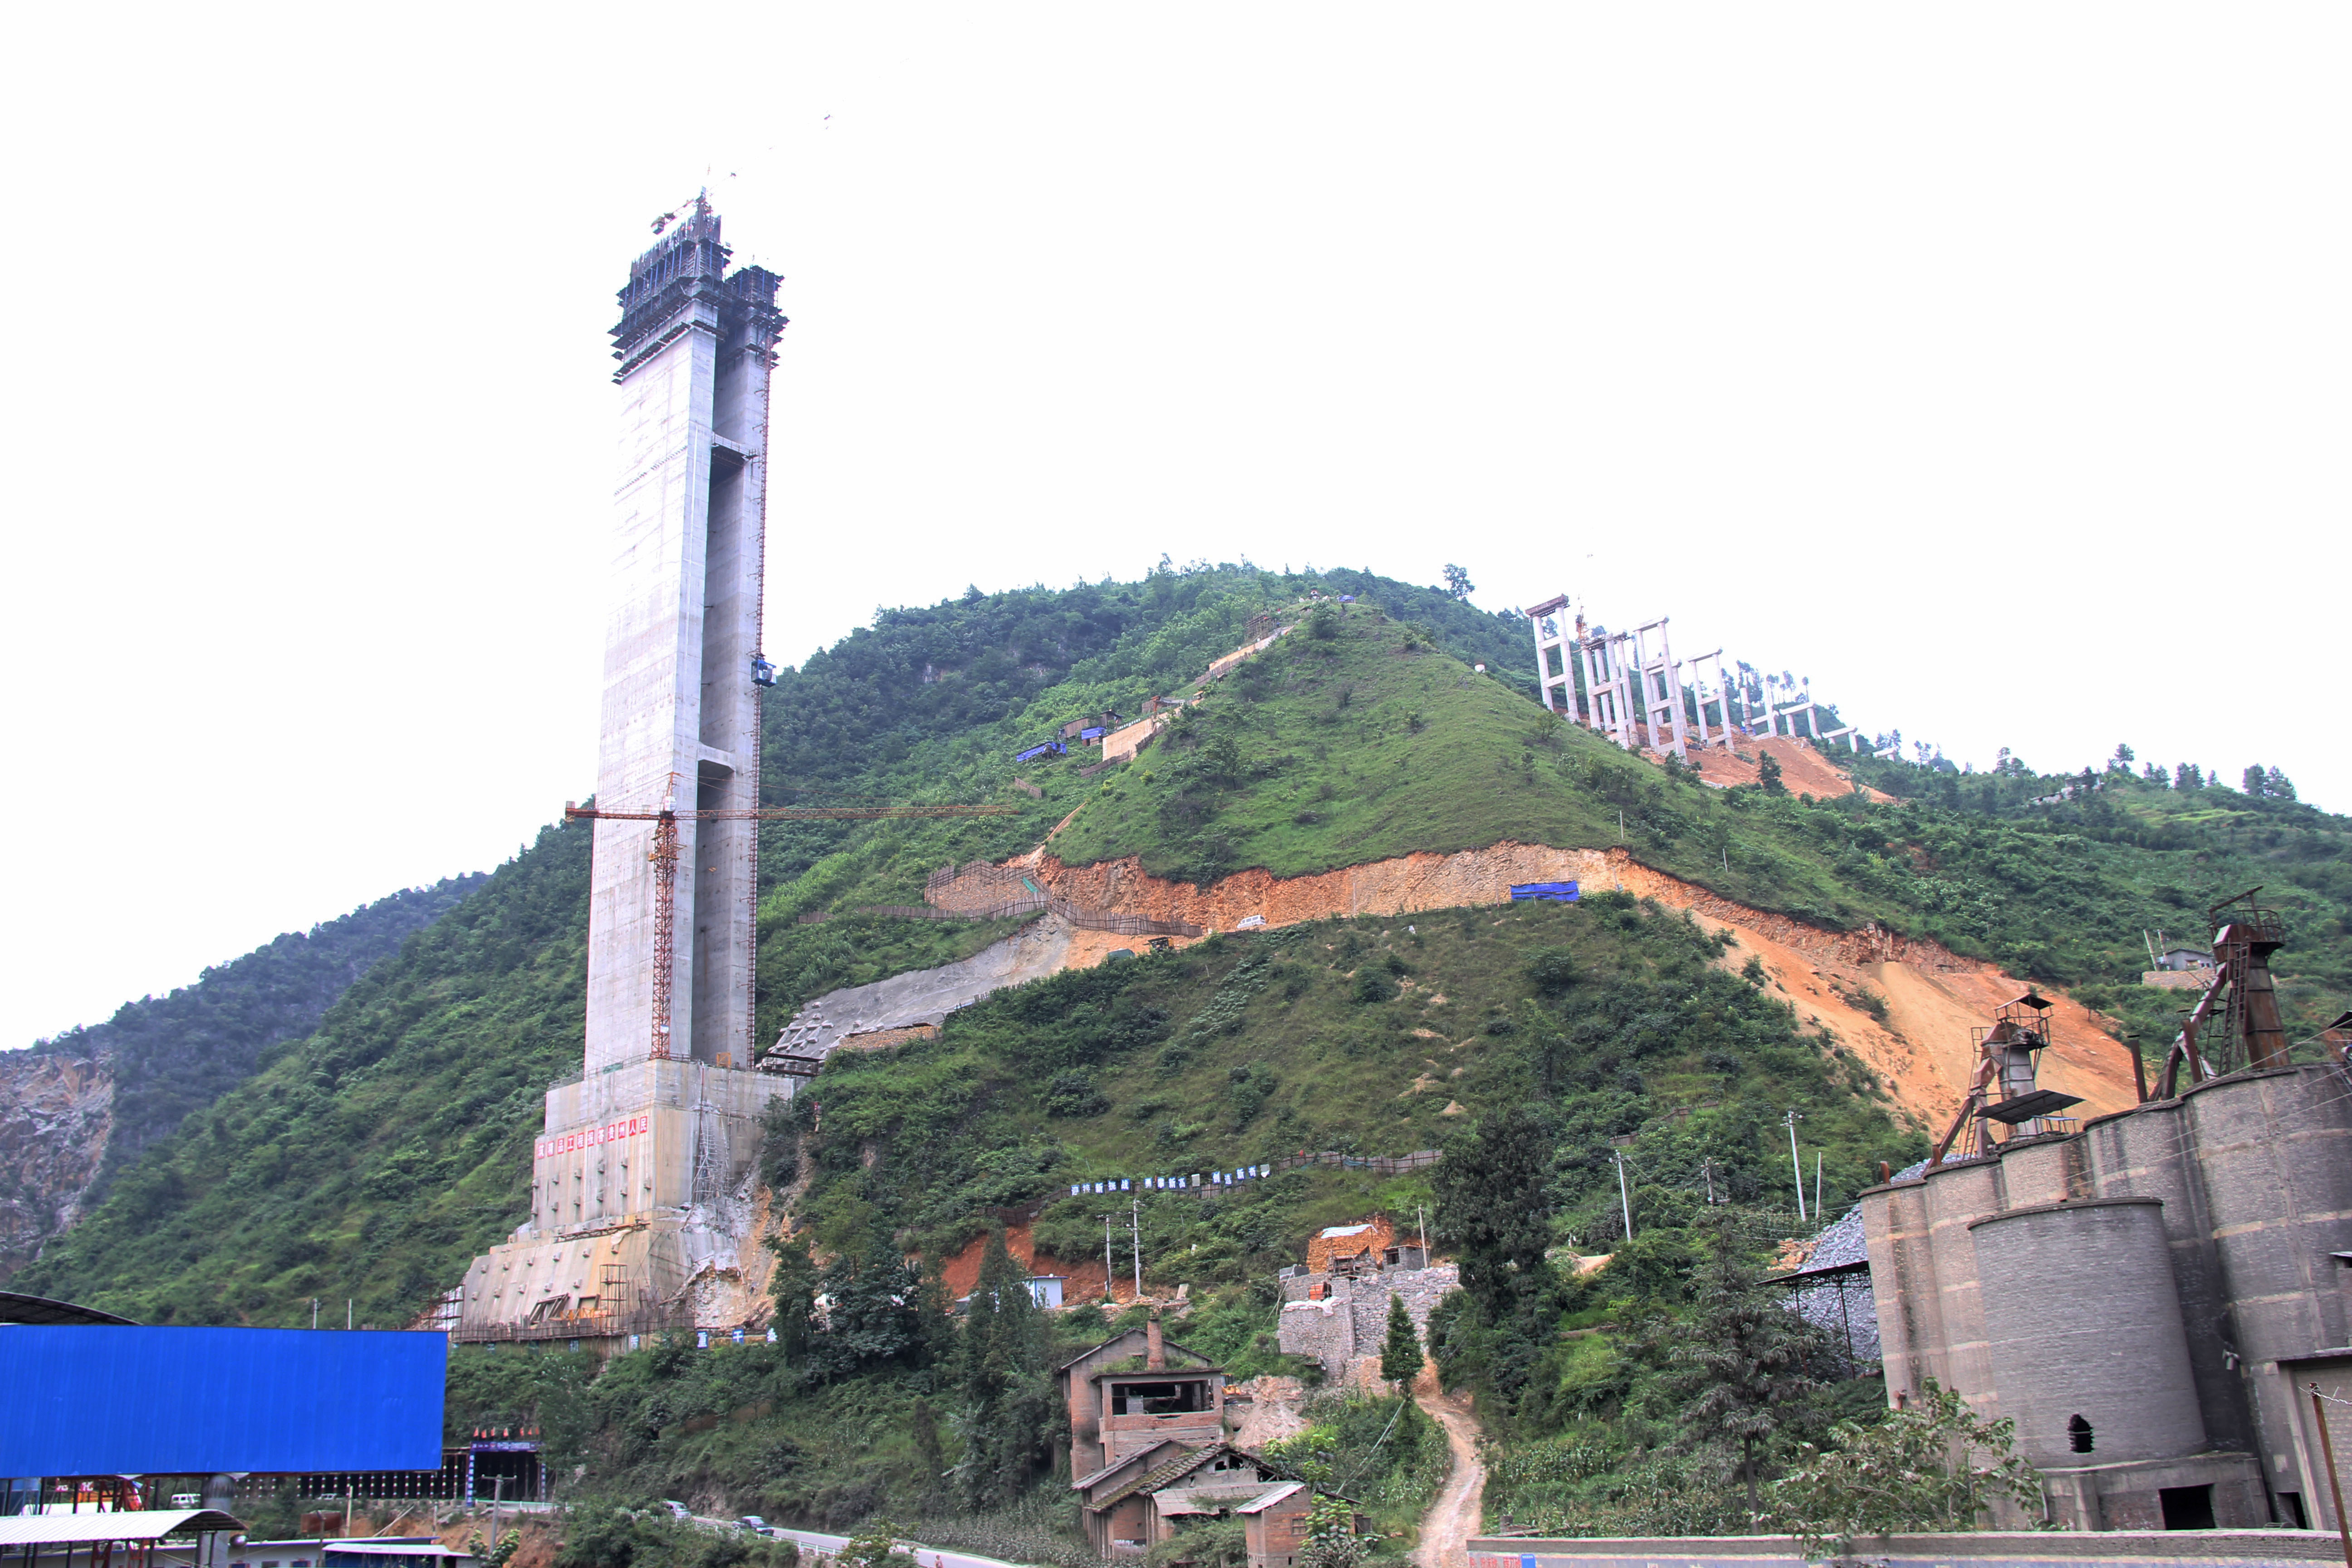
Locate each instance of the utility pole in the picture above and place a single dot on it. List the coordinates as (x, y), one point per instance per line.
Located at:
(1421, 1217)
(1109, 1273)
(1796, 1164)
(314, 1300)
(347, 1311)
(1707, 1169)
(2334, 1487)
(1816, 1183)
(1135, 1230)
(1624, 1203)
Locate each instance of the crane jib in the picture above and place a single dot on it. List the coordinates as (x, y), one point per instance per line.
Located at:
(796, 812)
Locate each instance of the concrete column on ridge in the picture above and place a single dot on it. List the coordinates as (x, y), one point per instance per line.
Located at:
(1555, 691)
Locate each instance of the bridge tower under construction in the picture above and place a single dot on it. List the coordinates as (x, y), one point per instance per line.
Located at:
(681, 714)
(633, 1225)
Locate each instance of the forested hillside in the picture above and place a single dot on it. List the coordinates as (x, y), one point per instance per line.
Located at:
(339, 1196)
(372, 1158)
(1612, 1028)
(1541, 1044)
(177, 1052)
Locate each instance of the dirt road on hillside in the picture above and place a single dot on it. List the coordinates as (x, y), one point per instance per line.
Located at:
(1459, 1511)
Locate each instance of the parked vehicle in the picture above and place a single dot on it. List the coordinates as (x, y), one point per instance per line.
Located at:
(754, 1523)
(677, 1510)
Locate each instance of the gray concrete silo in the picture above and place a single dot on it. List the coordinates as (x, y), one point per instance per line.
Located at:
(2082, 1318)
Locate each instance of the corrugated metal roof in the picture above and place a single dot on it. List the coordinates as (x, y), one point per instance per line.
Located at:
(134, 1524)
(17, 1309)
(1270, 1498)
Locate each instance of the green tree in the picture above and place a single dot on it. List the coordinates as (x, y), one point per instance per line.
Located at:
(923, 1426)
(1494, 1202)
(1554, 970)
(1331, 1538)
(1007, 1406)
(1935, 1466)
(1767, 774)
(793, 1286)
(1739, 1360)
(1401, 1352)
(1214, 1542)
(1457, 582)
(874, 1315)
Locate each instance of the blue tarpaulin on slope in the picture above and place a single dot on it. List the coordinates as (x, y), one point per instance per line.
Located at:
(1055, 746)
(96, 1401)
(1554, 892)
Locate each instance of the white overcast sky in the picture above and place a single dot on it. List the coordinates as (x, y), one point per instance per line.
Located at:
(1986, 363)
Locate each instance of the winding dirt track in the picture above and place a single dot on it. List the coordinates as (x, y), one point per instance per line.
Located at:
(1459, 1511)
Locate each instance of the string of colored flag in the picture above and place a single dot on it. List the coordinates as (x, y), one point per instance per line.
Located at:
(1172, 1184)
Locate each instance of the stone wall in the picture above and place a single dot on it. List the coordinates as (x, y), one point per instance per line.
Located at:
(1341, 1321)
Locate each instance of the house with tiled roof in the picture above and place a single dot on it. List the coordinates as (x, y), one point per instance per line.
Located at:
(1152, 1494)
(1149, 1455)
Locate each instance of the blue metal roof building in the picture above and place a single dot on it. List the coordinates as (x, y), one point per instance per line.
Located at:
(92, 1401)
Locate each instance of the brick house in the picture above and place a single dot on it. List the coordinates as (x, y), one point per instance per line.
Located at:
(1149, 1454)
(1153, 1496)
(1349, 1248)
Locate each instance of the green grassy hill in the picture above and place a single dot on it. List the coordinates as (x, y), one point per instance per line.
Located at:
(1366, 1035)
(370, 1159)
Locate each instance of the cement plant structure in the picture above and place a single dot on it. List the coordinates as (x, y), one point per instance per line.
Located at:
(2161, 1299)
(644, 1147)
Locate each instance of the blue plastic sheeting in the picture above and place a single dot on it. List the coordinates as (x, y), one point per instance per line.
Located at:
(84, 1401)
(1055, 746)
(1552, 892)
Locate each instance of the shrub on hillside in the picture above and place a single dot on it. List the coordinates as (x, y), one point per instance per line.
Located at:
(1552, 969)
(1073, 1093)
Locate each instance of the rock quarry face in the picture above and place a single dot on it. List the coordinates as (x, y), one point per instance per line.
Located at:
(57, 1113)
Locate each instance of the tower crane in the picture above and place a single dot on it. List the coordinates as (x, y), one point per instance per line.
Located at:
(664, 856)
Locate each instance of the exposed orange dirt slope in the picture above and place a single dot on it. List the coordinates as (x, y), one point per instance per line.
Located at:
(1923, 1051)
(1803, 769)
(1084, 1281)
